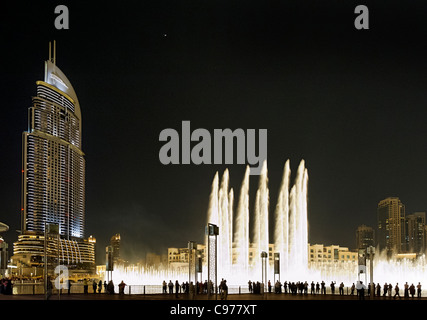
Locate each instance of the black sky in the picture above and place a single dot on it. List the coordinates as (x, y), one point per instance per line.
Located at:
(350, 102)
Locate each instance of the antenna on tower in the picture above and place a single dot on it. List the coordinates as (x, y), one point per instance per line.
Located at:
(54, 51)
(52, 54)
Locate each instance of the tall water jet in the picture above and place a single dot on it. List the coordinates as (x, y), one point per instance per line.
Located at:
(213, 201)
(224, 243)
(241, 257)
(281, 230)
(304, 220)
(261, 234)
(230, 229)
(298, 240)
(241, 235)
(292, 231)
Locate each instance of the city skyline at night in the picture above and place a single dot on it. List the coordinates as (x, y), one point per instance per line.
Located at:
(350, 102)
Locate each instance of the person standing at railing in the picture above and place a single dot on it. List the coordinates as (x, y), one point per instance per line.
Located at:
(224, 289)
(110, 287)
(69, 286)
(176, 288)
(341, 289)
(164, 287)
(99, 286)
(396, 291)
(94, 285)
(122, 286)
(323, 287)
(85, 286)
(191, 290)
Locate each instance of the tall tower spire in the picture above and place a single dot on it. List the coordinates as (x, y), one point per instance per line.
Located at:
(52, 53)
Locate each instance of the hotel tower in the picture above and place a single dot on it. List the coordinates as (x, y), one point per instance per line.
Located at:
(53, 175)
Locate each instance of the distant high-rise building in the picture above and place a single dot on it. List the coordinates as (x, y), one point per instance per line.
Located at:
(364, 237)
(415, 232)
(53, 175)
(391, 225)
(115, 244)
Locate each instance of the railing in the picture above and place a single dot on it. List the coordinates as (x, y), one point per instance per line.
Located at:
(31, 288)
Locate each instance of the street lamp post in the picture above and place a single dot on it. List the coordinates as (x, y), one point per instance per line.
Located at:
(276, 266)
(371, 253)
(212, 230)
(192, 262)
(264, 256)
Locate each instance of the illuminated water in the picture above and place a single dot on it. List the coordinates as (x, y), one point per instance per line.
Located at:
(241, 240)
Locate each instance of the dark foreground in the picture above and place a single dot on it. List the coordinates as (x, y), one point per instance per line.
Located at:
(165, 306)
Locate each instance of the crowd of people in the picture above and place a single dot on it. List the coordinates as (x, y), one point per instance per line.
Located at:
(108, 288)
(296, 288)
(198, 288)
(360, 289)
(6, 285)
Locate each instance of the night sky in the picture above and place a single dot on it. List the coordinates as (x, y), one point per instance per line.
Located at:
(351, 103)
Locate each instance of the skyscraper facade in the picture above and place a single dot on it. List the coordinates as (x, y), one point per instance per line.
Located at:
(391, 225)
(53, 172)
(115, 244)
(365, 237)
(53, 167)
(415, 232)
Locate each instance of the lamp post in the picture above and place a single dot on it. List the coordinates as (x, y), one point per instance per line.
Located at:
(212, 231)
(371, 253)
(192, 262)
(264, 256)
(276, 266)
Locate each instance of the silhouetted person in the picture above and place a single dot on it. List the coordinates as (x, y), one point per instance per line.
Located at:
(341, 289)
(94, 285)
(406, 290)
(332, 287)
(110, 287)
(361, 290)
(122, 286)
(385, 288)
(176, 288)
(69, 286)
(85, 286)
(396, 291)
(412, 290)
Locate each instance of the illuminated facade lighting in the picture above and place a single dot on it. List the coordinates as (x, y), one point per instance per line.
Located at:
(53, 171)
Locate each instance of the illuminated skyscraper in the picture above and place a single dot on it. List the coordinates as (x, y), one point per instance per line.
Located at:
(53, 167)
(115, 244)
(416, 232)
(364, 237)
(391, 225)
(53, 179)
